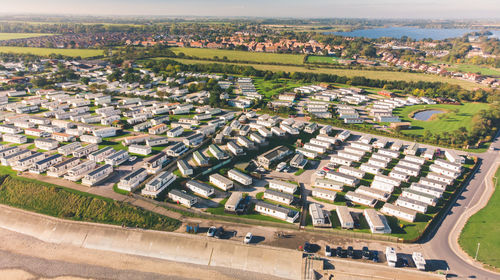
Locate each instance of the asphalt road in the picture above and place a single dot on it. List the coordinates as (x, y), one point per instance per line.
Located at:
(438, 245)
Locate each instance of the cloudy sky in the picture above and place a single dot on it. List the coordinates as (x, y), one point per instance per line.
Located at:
(442, 9)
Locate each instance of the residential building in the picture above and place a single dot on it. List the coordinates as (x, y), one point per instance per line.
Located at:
(360, 198)
(100, 155)
(159, 183)
(329, 184)
(175, 132)
(46, 144)
(183, 198)
(279, 197)
(221, 182)
(276, 211)
(453, 157)
(283, 186)
(272, 156)
(239, 177)
(132, 180)
(159, 141)
(411, 204)
(200, 188)
(377, 223)
(373, 192)
(319, 217)
(399, 212)
(77, 172)
(324, 194)
(117, 158)
(44, 164)
(60, 169)
(345, 218)
(139, 149)
(155, 163)
(14, 138)
(342, 178)
(184, 167)
(217, 152)
(177, 149)
(97, 175)
(194, 139)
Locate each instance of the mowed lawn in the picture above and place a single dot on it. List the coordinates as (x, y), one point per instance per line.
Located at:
(382, 75)
(242, 55)
(484, 227)
(10, 36)
(322, 59)
(483, 70)
(455, 117)
(274, 87)
(84, 53)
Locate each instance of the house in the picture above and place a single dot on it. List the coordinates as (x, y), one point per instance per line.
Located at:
(221, 182)
(441, 178)
(100, 155)
(449, 165)
(117, 158)
(382, 186)
(377, 223)
(298, 161)
(60, 169)
(315, 148)
(386, 179)
(217, 152)
(279, 197)
(345, 218)
(389, 153)
(10, 129)
(183, 198)
(418, 160)
(353, 150)
(200, 188)
(276, 211)
(97, 175)
(139, 149)
(175, 132)
(342, 178)
(27, 161)
(329, 184)
(105, 132)
(273, 155)
(278, 131)
(406, 170)
(135, 139)
(366, 167)
(307, 153)
(435, 192)
(44, 164)
(184, 167)
(239, 177)
(159, 183)
(453, 157)
(360, 198)
(399, 175)
(362, 146)
(396, 146)
(324, 194)
(155, 163)
(321, 143)
(348, 155)
(399, 212)
(234, 148)
(339, 160)
(433, 183)
(283, 186)
(319, 217)
(373, 192)
(200, 158)
(419, 196)
(177, 149)
(90, 139)
(46, 144)
(243, 141)
(411, 204)
(159, 141)
(351, 171)
(14, 138)
(257, 138)
(158, 129)
(412, 149)
(132, 180)
(11, 159)
(444, 171)
(194, 139)
(233, 202)
(77, 172)
(264, 132)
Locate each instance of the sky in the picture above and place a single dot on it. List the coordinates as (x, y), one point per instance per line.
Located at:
(415, 9)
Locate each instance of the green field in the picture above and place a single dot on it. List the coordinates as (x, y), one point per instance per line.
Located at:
(322, 59)
(455, 117)
(70, 204)
(370, 74)
(84, 53)
(10, 36)
(483, 70)
(274, 87)
(242, 55)
(484, 227)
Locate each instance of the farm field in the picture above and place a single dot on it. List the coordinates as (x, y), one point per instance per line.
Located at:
(242, 55)
(84, 53)
(322, 59)
(10, 36)
(455, 117)
(483, 70)
(383, 75)
(484, 227)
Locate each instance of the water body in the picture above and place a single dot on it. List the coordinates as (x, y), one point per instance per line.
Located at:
(412, 32)
(426, 115)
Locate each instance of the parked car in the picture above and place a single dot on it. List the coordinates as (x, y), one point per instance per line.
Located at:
(326, 169)
(219, 232)
(132, 158)
(343, 253)
(365, 253)
(328, 251)
(248, 238)
(211, 231)
(375, 256)
(402, 262)
(281, 166)
(307, 247)
(350, 252)
(338, 252)
(320, 173)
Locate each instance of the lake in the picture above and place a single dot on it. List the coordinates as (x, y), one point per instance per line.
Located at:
(412, 32)
(426, 115)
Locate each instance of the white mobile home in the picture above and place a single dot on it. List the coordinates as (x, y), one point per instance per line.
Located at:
(159, 183)
(345, 218)
(221, 182)
(239, 177)
(200, 188)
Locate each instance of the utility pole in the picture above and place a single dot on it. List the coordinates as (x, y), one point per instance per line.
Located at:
(477, 251)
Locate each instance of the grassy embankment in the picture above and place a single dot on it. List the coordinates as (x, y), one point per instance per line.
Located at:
(484, 228)
(70, 204)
